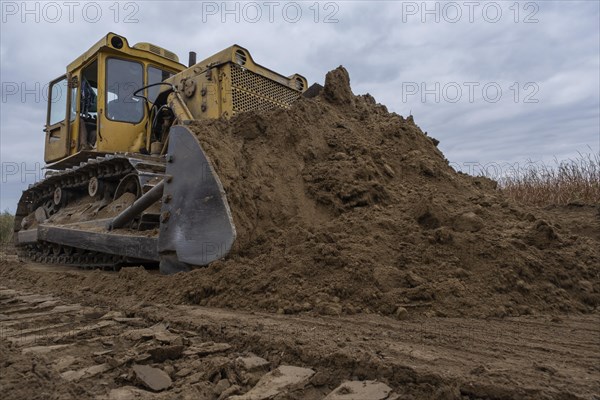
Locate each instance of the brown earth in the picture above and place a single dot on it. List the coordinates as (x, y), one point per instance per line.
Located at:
(343, 207)
(77, 344)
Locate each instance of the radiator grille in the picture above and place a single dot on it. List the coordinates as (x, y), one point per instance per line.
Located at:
(253, 92)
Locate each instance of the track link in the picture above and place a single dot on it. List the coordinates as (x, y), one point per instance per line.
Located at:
(49, 253)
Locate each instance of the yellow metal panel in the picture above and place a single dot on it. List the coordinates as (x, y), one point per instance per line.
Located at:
(230, 82)
(104, 44)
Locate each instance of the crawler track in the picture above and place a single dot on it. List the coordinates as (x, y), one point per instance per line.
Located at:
(49, 253)
(111, 170)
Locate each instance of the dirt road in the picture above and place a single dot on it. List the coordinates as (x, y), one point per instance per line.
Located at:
(55, 344)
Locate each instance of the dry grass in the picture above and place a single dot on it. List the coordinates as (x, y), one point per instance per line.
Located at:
(565, 182)
(6, 227)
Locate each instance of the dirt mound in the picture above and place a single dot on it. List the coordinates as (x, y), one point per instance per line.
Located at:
(344, 207)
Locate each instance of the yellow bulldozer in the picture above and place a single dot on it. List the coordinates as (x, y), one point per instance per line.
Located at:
(127, 182)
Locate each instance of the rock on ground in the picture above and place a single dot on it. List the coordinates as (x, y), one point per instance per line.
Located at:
(282, 379)
(360, 390)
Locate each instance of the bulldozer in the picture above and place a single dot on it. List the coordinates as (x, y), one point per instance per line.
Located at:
(127, 182)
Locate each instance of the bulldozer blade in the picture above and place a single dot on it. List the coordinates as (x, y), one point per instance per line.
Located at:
(196, 225)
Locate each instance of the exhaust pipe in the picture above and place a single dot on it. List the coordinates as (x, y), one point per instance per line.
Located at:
(192, 59)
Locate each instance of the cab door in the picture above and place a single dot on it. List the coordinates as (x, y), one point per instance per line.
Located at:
(58, 120)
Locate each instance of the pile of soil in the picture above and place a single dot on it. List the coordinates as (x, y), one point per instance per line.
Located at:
(342, 207)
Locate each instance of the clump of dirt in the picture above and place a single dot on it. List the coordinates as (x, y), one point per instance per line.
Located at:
(32, 377)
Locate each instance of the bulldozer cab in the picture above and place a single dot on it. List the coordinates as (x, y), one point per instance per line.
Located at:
(92, 109)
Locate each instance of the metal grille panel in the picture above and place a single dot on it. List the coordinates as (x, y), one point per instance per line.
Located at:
(253, 92)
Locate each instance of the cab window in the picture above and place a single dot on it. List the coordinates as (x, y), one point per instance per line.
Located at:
(58, 101)
(73, 104)
(89, 91)
(123, 78)
(156, 75)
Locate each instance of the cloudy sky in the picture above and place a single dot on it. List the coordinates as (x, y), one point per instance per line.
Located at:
(497, 82)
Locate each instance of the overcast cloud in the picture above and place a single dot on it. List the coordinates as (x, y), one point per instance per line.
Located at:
(543, 56)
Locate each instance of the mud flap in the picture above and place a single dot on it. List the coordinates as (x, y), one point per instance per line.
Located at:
(196, 225)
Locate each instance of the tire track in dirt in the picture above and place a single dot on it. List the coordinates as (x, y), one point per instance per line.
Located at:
(76, 351)
(535, 359)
